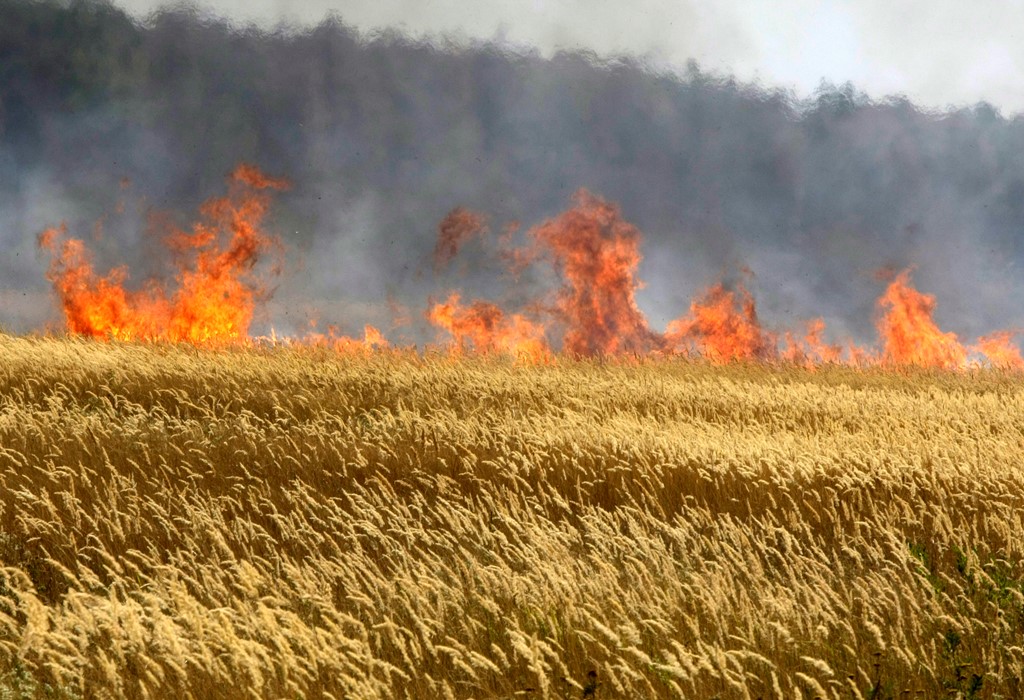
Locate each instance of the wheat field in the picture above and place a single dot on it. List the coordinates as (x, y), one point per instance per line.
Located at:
(298, 523)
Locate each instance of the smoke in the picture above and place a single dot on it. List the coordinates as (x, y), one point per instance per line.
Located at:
(382, 136)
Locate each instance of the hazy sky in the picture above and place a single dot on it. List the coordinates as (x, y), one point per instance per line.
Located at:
(937, 52)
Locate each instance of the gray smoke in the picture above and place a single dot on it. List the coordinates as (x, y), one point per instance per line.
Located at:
(381, 136)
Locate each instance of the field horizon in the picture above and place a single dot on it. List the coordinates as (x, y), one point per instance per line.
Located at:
(300, 522)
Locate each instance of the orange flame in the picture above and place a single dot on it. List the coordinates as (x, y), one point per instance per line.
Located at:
(860, 356)
(723, 327)
(1000, 350)
(598, 253)
(908, 332)
(812, 349)
(95, 306)
(372, 339)
(486, 328)
(593, 250)
(216, 291)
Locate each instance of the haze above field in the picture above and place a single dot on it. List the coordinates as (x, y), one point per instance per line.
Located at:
(812, 187)
(937, 53)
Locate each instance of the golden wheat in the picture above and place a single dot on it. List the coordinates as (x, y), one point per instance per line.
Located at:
(289, 522)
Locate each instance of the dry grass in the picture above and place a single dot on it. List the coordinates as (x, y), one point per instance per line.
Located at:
(289, 523)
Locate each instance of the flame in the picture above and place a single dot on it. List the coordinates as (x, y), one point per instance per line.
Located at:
(859, 356)
(1000, 350)
(95, 306)
(811, 350)
(723, 327)
(597, 253)
(373, 339)
(908, 333)
(486, 328)
(216, 289)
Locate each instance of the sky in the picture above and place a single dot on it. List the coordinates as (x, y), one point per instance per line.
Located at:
(939, 53)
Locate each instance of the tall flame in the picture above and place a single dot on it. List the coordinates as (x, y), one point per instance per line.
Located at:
(216, 290)
(597, 252)
(98, 306)
(909, 334)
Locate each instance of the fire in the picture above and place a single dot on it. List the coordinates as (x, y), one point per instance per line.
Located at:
(597, 252)
(97, 306)
(486, 328)
(812, 349)
(1000, 350)
(908, 333)
(216, 290)
(373, 339)
(595, 255)
(723, 327)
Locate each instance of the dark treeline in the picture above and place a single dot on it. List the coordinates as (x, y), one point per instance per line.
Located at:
(381, 136)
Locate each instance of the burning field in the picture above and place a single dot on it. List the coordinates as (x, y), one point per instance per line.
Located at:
(550, 500)
(590, 311)
(482, 374)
